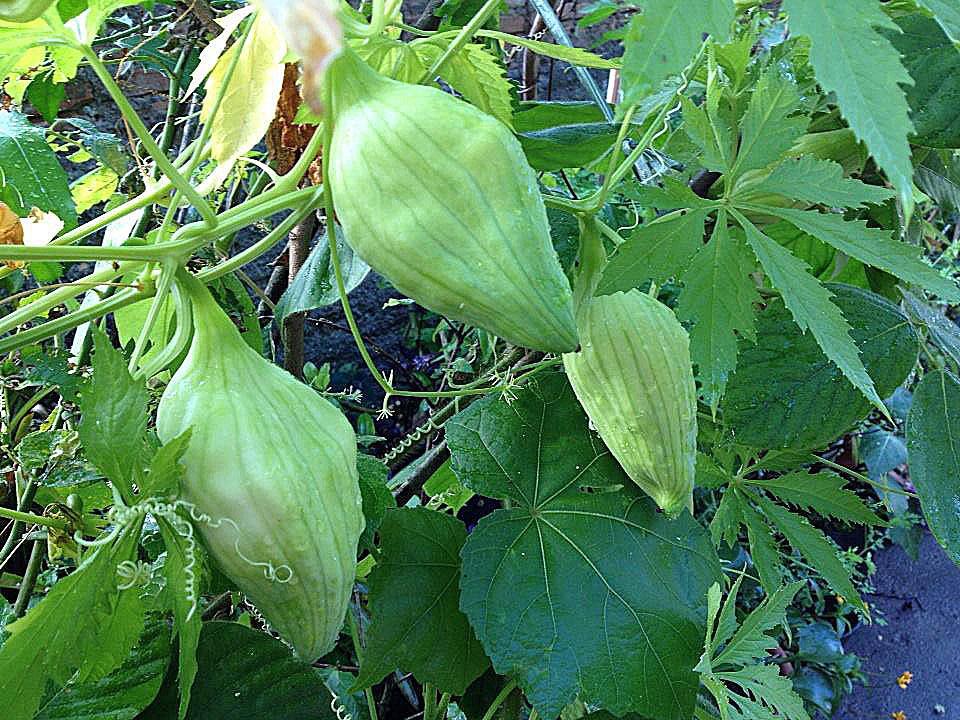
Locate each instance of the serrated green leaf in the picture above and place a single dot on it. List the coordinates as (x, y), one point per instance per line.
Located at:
(815, 547)
(576, 593)
(572, 55)
(114, 423)
(822, 492)
(181, 571)
(315, 286)
(933, 438)
(750, 642)
(663, 38)
(163, 478)
(863, 69)
(763, 547)
(725, 524)
(810, 304)
(476, 74)
(84, 623)
(414, 593)
(870, 246)
(767, 129)
(656, 251)
(718, 297)
(816, 182)
(938, 175)
(123, 693)
(769, 695)
(698, 127)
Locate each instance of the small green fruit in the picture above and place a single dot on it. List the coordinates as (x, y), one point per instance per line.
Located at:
(634, 378)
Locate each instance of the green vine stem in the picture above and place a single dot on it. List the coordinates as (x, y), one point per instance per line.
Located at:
(26, 499)
(861, 477)
(358, 650)
(463, 37)
(500, 699)
(143, 134)
(25, 517)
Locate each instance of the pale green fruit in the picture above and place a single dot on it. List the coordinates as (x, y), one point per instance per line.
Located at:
(438, 197)
(634, 378)
(274, 466)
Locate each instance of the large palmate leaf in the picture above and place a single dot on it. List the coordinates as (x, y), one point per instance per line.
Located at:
(664, 37)
(863, 69)
(414, 594)
(933, 439)
(934, 63)
(784, 379)
(580, 588)
(947, 13)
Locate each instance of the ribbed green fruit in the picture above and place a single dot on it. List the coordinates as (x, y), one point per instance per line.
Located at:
(21, 11)
(437, 196)
(276, 460)
(634, 378)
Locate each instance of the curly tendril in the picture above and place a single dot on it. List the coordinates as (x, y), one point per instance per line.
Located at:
(131, 573)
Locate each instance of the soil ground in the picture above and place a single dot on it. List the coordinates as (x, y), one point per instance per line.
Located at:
(918, 602)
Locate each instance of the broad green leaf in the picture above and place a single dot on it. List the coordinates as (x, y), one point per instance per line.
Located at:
(863, 69)
(933, 62)
(947, 13)
(580, 589)
(938, 175)
(46, 95)
(767, 129)
(816, 182)
(763, 547)
(750, 642)
(539, 115)
(181, 570)
(568, 146)
(718, 297)
(871, 246)
(445, 490)
(396, 59)
(249, 98)
(84, 623)
(123, 693)
(32, 175)
(881, 451)
(815, 548)
(572, 55)
(131, 319)
(106, 147)
(377, 498)
(784, 381)
(664, 37)
(114, 423)
(943, 331)
(933, 438)
(414, 594)
(163, 477)
(656, 251)
(476, 74)
(822, 492)
(810, 304)
(244, 673)
(315, 286)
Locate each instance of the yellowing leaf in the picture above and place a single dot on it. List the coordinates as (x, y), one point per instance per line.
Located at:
(94, 188)
(249, 98)
(212, 52)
